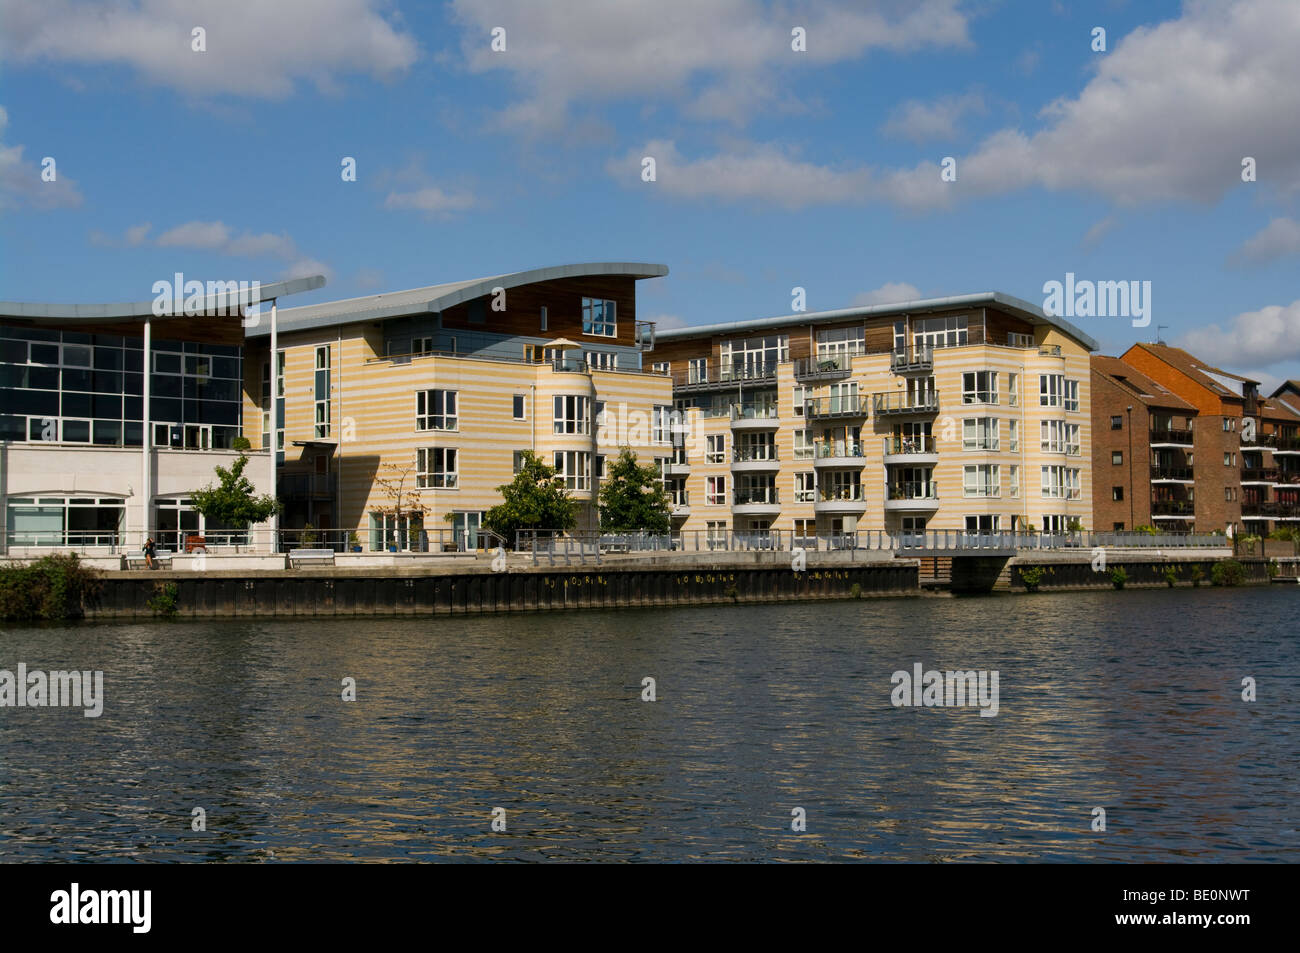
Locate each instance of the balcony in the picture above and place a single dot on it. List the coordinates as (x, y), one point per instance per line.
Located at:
(1171, 438)
(838, 500)
(756, 501)
(1172, 509)
(717, 375)
(912, 359)
(762, 457)
(912, 495)
(832, 367)
(890, 403)
(754, 417)
(1266, 476)
(848, 407)
(1284, 445)
(679, 504)
(1050, 350)
(911, 450)
(1172, 475)
(837, 453)
(307, 486)
(676, 467)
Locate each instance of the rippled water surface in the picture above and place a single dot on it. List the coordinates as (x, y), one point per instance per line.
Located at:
(1129, 701)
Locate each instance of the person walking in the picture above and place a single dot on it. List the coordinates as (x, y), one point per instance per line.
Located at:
(150, 550)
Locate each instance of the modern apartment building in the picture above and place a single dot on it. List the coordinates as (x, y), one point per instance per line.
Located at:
(964, 413)
(112, 415)
(1219, 456)
(405, 411)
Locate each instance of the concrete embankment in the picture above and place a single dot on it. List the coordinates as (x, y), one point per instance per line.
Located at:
(476, 588)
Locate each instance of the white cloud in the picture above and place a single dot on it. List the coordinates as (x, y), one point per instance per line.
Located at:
(764, 173)
(1252, 339)
(254, 47)
(1227, 72)
(432, 201)
(1093, 236)
(21, 183)
(217, 237)
(721, 58)
(665, 321)
(938, 120)
(888, 293)
(1279, 239)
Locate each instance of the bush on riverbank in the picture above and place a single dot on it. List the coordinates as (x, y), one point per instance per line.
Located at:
(52, 589)
(1229, 572)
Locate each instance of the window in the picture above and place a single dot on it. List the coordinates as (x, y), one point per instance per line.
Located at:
(842, 485)
(1060, 483)
(841, 343)
(914, 524)
(1017, 339)
(1117, 493)
(571, 414)
(517, 463)
(602, 360)
(940, 332)
(600, 417)
(1013, 481)
(801, 397)
(1013, 390)
(715, 449)
(697, 370)
(754, 357)
(1117, 457)
(1229, 459)
(716, 533)
(598, 317)
(662, 417)
(659, 367)
(805, 487)
(1117, 422)
(1013, 436)
(1229, 424)
(979, 387)
(1056, 436)
(1072, 395)
(321, 389)
(518, 404)
(598, 466)
(803, 445)
(1229, 494)
(542, 319)
(980, 433)
(573, 467)
(435, 410)
(981, 480)
(984, 523)
(435, 468)
(322, 419)
(1050, 389)
(715, 491)
(421, 346)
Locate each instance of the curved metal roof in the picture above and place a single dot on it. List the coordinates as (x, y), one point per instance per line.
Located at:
(1030, 312)
(65, 314)
(435, 298)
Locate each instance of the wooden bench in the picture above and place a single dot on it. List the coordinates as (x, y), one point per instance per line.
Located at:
(323, 557)
(161, 556)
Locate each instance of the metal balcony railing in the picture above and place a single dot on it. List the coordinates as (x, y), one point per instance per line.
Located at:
(914, 490)
(823, 449)
(1171, 473)
(901, 402)
(917, 358)
(1166, 435)
(895, 446)
(849, 405)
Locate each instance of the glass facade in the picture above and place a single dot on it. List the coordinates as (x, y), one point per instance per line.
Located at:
(80, 388)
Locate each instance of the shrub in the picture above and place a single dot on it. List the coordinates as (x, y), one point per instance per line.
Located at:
(240, 443)
(1197, 575)
(1228, 572)
(1171, 576)
(53, 588)
(855, 591)
(163, 602)
(1118, 577)
(1032, 577)
(1146, 530)
(1273, 569)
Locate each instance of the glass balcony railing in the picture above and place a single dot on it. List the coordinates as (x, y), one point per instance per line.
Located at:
(905, 445)
(914, 490)
(849, 405)
(756, 496)
(822, 449)
(754, 411)
(901, 402)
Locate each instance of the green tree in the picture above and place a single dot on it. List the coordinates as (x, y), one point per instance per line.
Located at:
(233, 503)
(535, 499)
(632, 498)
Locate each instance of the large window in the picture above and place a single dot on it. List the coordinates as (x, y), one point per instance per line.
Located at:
(435, 468)
(571, 414)
(1057, 436)
(982, 480)
(1071, 395)
(805, 487)
(573, 467)
(715, 490)
(979, 387)
(436, 410)
(754, 357)
(715, 448)
(1051, 389)
(1061, 483)
(841, 343)
(321, 388)
(980, 433)
(948, 331)
(64, 521)
(598, 317)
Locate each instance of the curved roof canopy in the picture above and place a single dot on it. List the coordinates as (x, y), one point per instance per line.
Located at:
(227, 301)
(1022, 309)
(436, 298)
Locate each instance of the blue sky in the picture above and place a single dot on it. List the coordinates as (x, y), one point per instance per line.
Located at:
(775, 168)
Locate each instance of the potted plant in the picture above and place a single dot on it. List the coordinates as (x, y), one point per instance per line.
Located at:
(353, 542)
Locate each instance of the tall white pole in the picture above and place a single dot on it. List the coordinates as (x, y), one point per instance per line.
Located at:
(146, 439)
(274, 424)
